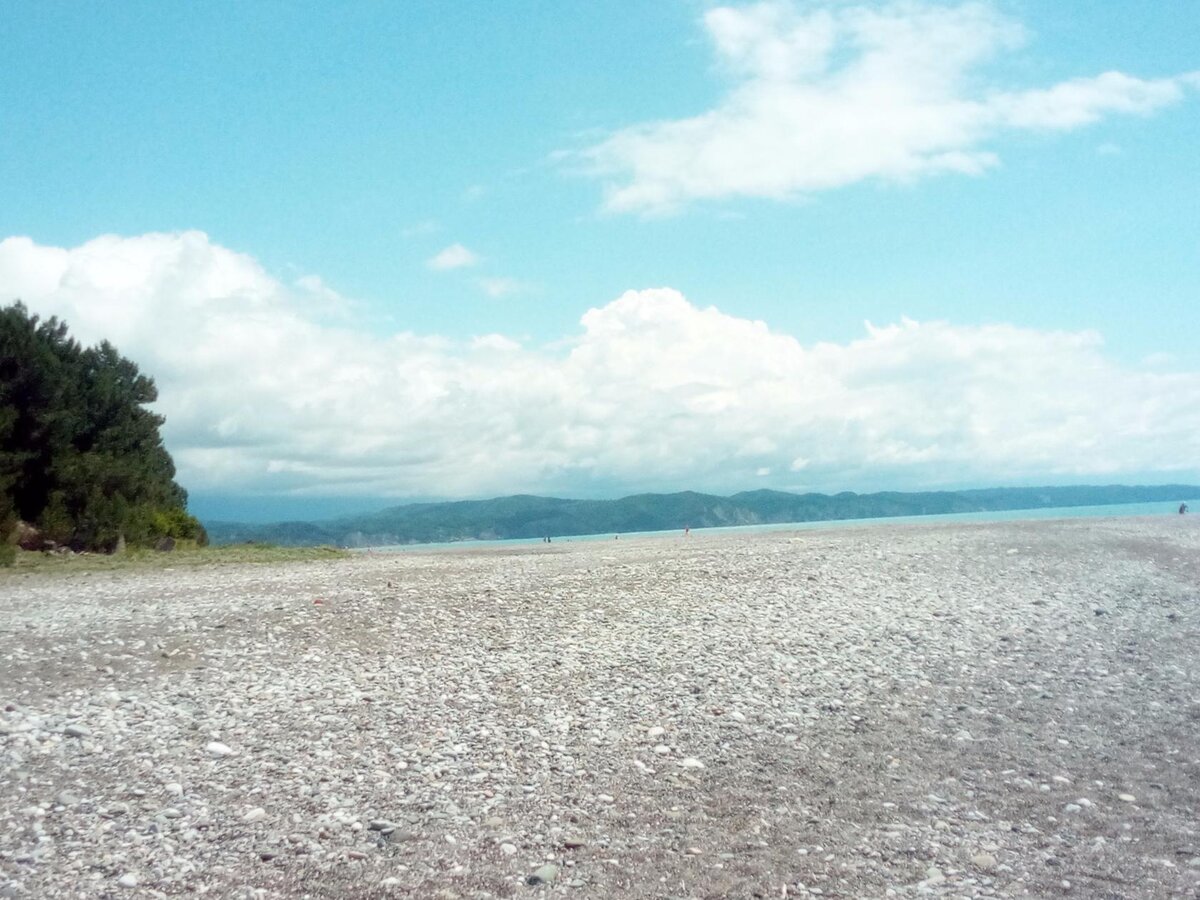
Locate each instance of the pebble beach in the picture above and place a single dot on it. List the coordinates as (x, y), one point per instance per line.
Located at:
(944, 710)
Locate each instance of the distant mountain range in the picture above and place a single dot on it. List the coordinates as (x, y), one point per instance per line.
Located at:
(533, 517)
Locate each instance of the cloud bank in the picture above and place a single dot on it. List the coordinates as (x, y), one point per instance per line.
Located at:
(829, 96)
(652, 392)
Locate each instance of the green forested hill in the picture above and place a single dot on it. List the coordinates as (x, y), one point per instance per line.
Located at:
(526, 516)
(81, 459)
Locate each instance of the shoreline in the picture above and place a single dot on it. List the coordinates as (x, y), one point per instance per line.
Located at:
(1030, 514)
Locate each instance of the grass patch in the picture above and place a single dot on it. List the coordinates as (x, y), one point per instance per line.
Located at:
(230, 554)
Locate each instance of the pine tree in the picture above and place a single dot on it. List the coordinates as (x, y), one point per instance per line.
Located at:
(80, 455)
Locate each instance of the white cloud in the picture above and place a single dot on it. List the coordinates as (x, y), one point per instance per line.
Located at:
(456, 256)
(830, 96)
(495, 342)
(319, 299)
(500, 286)
(652, 392)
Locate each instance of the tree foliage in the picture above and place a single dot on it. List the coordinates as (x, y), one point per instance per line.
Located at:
(80, 454)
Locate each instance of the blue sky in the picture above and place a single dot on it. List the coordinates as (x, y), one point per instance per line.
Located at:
(750, 158)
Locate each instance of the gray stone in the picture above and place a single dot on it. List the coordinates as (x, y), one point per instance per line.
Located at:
(984, 861)
(543, 875)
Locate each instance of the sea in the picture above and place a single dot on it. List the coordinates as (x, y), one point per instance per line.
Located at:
(998, 515)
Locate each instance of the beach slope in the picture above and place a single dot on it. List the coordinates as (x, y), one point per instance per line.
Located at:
(920, 710)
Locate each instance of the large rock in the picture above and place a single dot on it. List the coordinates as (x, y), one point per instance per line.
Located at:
(27, 537)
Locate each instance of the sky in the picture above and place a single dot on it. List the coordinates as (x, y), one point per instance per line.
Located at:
(378, 252)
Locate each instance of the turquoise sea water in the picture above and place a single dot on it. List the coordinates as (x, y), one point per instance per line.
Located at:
(1002, 515)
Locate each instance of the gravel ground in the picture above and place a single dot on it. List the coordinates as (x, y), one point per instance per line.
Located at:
(956, 711)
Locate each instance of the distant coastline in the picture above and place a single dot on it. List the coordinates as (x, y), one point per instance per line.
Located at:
(531, 517)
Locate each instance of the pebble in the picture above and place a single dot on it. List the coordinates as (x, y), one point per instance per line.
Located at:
(1127, 798)
(128, 880)
(257, 814)
(217, 749)
(543, 875)
(508, 849)
(691, 762)
(77, 731)
(984, 861)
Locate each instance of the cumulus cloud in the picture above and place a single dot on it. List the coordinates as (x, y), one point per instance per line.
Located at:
(456, 256)
(829, 96)
(651, 392)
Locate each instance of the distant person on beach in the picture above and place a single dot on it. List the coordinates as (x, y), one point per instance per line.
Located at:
(687, 530)
(1182, 508)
